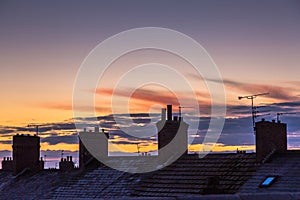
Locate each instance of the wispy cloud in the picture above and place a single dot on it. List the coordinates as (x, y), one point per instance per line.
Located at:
(286, 93)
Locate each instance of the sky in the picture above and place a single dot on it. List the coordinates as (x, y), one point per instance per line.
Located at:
(255, 45)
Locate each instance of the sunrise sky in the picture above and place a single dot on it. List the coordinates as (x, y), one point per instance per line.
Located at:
(255, 45)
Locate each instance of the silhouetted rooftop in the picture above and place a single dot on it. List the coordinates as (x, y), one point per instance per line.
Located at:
(285, 166)
(187, 176)
(234, 176)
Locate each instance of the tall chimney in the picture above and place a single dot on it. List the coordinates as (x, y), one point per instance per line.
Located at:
(26, 153)
(85, 157)
(163, 114)
(270, 137)
(169, 110)
(172, 138)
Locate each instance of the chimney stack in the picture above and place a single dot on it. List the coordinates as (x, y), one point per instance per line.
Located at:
(169, 110)
(85, 157)
(172, 137)
(26, 153)
(270, 137)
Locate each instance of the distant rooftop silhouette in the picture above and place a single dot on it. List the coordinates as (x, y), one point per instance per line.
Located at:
(236, 174)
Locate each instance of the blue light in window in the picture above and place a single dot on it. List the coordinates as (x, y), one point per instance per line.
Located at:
(269, 180)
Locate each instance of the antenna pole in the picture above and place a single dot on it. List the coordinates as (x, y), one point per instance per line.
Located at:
(36, 126)
(180, 109)
(138, 149)
(253, 113)
(252, 97)
(284, 113)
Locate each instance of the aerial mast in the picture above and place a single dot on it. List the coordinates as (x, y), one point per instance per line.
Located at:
(36, 127)
(138, 148)
(180, 108)
(252, 97)
(284, 113)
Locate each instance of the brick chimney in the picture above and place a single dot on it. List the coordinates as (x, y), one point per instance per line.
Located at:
(168, 146)
(66, 164)
(26, 153)
(7, 164)
(271, 137)
(84, 155)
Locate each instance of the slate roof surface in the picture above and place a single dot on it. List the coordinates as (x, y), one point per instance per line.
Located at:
(102, 182)
(189, 175)
(31, 186)
(185, 177)
(286, 166)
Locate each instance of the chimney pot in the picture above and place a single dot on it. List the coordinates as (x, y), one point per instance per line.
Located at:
(163, 114)
(169, 110)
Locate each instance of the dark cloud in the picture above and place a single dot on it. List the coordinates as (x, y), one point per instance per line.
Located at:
(5, 142)
(236, 131)
(238, 110)
(120, 134)
(6, 130)
(287, 104)
(125, 142)
(69, 139)
(63, 126)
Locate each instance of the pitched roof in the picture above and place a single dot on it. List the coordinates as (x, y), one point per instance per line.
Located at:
(186, 176)
(102, 182)
(31, 185)
(189, 175)
(284, 165)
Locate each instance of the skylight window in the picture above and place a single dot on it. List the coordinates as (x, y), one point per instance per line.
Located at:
(268, 181)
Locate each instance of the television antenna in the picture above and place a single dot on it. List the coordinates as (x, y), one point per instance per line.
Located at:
(263, 112)
(180, 108)
(138, 148)
(252, 97)
(284, 113)
(36, 127)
